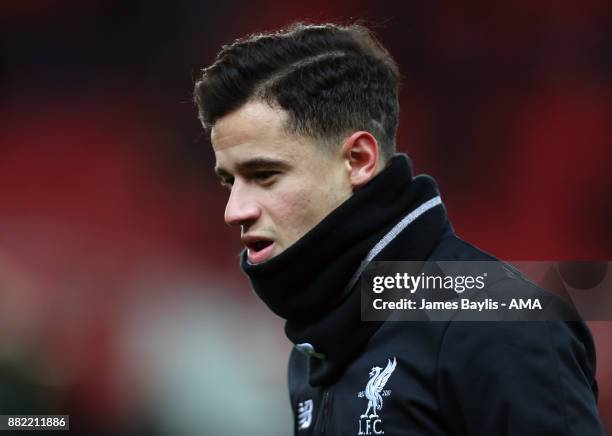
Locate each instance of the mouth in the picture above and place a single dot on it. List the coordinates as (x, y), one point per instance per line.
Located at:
(258, 249)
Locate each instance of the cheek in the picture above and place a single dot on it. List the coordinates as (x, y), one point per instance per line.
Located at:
(300, 211)
(300, 203)
(294, 210)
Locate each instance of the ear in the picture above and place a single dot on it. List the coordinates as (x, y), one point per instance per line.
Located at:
(360, 153)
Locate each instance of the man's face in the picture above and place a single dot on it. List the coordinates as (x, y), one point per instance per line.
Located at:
(281, 185)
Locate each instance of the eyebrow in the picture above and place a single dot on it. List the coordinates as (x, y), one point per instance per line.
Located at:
(250, 165)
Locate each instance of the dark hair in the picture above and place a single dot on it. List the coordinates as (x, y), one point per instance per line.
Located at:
(331, 79)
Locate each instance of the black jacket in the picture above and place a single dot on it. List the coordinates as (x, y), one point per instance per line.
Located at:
(459, 378)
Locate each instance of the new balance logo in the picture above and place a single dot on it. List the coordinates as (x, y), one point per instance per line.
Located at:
(305, 414)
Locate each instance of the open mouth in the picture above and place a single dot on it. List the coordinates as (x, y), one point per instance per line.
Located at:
(259, 250)
(259, 245)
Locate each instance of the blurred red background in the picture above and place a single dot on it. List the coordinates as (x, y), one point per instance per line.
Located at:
(121, 301)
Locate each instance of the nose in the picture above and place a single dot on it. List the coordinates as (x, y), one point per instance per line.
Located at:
(242, 208)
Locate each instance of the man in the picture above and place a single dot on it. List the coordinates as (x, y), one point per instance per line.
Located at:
(303, 124)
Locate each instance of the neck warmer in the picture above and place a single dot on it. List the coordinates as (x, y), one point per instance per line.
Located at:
(314, 283)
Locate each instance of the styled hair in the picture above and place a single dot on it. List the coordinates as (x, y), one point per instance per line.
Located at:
(331, 80)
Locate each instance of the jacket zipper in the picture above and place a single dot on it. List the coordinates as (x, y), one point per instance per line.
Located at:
(325, 411)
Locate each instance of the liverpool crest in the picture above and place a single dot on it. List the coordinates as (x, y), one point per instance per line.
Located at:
(370, 422)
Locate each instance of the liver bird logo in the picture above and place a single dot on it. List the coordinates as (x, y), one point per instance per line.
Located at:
(375, 385)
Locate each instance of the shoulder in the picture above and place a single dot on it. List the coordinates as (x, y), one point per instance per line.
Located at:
(452, 248)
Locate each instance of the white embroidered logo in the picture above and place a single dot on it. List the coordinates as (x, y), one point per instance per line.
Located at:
(304, 414)
(370, 422)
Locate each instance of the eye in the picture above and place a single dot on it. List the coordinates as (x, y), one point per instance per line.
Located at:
(264, 176)
(227, 183)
